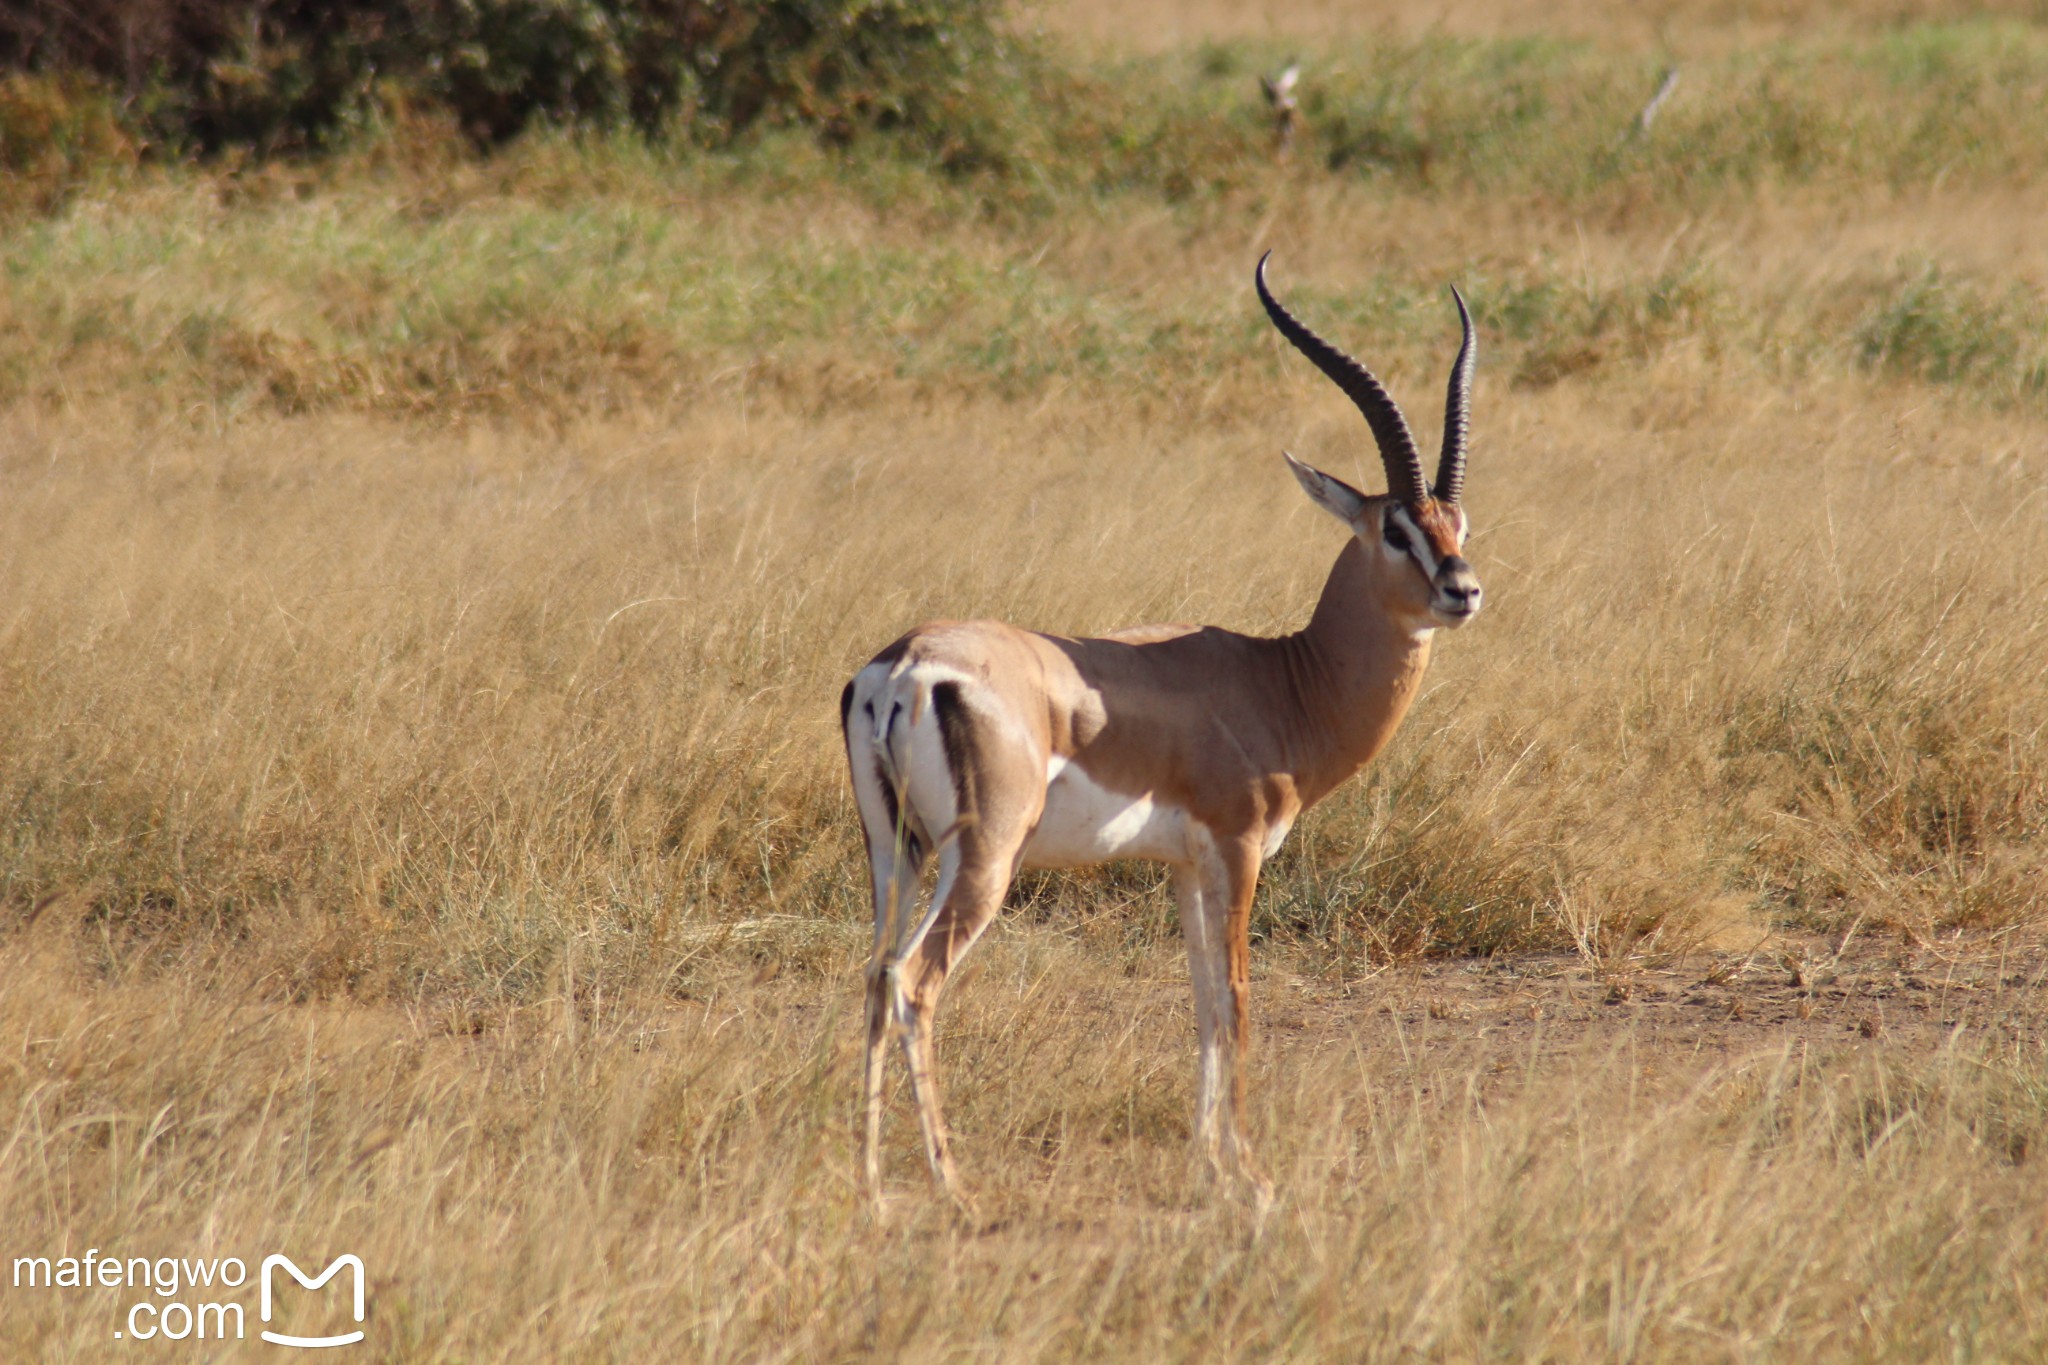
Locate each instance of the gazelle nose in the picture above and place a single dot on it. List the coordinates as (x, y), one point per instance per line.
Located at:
(1457, 590)
(1456, 581)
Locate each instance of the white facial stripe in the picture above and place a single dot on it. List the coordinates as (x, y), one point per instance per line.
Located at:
(1418, 546)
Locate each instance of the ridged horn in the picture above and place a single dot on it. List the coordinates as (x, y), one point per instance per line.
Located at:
(1389, 427)
(1450, 468)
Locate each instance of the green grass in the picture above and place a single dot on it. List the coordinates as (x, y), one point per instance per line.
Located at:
(593, 272)
(1543, 116)
(1948, 330)
(355, 299)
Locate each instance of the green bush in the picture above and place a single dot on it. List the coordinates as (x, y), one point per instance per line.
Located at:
(1949, 331)
(283, 75)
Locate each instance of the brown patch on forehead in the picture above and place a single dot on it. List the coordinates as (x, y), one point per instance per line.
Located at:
(1438, 524)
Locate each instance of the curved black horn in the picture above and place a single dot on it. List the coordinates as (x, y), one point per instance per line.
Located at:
(1450, 468)
(1389, 427)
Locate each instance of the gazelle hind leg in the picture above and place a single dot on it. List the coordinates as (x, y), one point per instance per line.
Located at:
(913, 1011)
(871, 1083)
(935, 743)
(905, 974)
(974, 873)
(896, 858)
(896, 897)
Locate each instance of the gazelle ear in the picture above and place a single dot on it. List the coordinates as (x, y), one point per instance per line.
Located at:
(1333, 495)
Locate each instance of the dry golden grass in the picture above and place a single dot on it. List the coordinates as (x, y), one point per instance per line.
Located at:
(489, 686)
(512, 757)
(422, 830)
(629, 1177)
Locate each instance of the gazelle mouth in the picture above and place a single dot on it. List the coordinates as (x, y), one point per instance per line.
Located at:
(1453, 616)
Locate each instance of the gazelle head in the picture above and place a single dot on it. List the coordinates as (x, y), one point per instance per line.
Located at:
(1415, 532)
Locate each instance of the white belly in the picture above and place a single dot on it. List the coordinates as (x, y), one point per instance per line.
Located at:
(1084, 823)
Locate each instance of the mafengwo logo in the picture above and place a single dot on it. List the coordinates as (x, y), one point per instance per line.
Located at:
(351, 1263)
(186, 1299)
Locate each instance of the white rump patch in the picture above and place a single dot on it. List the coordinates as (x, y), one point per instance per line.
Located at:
(904, 735)
(1085, 823)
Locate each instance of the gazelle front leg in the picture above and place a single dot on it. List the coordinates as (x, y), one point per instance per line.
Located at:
(1215, 893)
(1209, 976)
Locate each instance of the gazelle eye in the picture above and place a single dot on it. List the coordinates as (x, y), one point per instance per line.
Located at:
(1397, 539)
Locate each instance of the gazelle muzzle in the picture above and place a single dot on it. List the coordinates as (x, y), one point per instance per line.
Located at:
(1455, 592)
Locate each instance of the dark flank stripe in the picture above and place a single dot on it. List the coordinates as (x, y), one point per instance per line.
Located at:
(954, 731)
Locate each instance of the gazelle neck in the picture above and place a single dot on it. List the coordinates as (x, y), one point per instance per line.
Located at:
(1360, 665)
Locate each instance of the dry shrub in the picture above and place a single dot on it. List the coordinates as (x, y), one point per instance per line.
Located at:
(57, 133)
